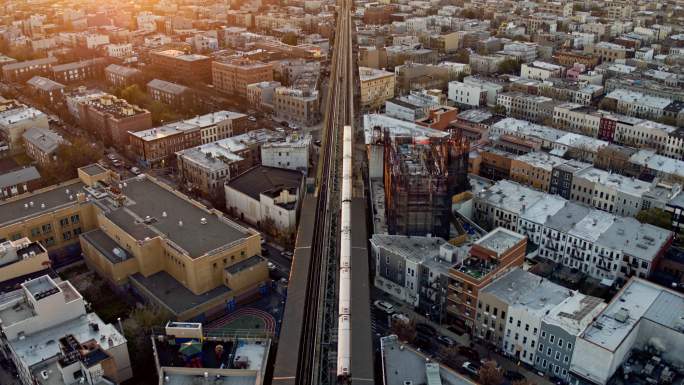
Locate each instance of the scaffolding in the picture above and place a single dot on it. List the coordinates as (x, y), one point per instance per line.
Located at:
(420, 177)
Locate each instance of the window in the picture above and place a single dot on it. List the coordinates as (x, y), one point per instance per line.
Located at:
(544, 364)
(569, 346)
(557, 357)
(552, 338)
(75, 218)
(527, 327)
(66, 235)
(548, 352)
(534, 331)
(64, 222)
(560, 342)
(47, 228)
(518, 323)
(541, 347)
(510, 320)
(566, 359)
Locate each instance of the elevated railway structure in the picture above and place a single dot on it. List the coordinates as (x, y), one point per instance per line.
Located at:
(325, 336)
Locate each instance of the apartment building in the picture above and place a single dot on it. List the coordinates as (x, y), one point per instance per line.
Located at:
(485, 64)
(233, 76)
(155, 146)
(559, 331)
(173, 94)
(562, 178)
(261, 94)
(208, 166)
(182, 67)
(79, 71)
(123, 50)
(489, 257)
(19, 181)
(597, 243)
(532, 108)
(377, 86)
(41, 144)
(23, 71)
(523, 299)
(22, 258)
(48, 90)
(50, 337)
(267, 197)
(299, 106)
(525, 52)
(540, 70)
(638, 104)
(534, 169)
(570, 58)
(293, 153)
(15, 119)
(414, 270)
(642, 326)
(113, 118)
(122, 76)
(467, 95)
(577, 118)
(610, 52)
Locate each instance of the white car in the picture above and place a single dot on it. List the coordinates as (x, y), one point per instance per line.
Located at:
(400, 317)
(135, 170)
(383, 306)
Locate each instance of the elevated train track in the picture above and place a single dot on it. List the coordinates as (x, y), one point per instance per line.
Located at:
(319, 342)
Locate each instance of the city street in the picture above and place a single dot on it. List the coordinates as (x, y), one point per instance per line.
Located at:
(380, 326)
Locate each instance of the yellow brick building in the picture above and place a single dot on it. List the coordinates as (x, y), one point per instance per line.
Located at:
(139, 232)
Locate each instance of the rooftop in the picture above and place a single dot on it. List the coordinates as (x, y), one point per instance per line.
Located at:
(261, 179)
(18, 177)
(638, 299)
(366, 74)
(151, 208)
(44, 84)
(45, 139)
(575, 312)
(122, 70)
(500, 240)
(167, 87)
(39, 202)
(541, 160)
(525, 129)
(524, 289)
(176, 297)
(402, 365)
(627, 96)
(180, 55)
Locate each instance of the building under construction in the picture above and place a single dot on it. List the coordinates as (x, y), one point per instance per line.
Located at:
(420, 176)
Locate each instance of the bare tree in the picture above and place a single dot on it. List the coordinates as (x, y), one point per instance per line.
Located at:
(406, 331)
(490, 374)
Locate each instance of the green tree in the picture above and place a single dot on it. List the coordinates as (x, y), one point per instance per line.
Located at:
(462, 56)
(70, 156)
(137, 329)
(449, 356)
(134, 95)
(289, 38)
(510, 66)
(499, 109)
(656, 217)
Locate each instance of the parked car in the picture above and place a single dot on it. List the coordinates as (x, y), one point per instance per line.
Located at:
(471, 368)
(135, 170)
(446, 341)
(264, 251)
(513, 375)
(426, 329)
(400, 317)
(111, 156)
(271, 266)
(469, 353)
(383, 306)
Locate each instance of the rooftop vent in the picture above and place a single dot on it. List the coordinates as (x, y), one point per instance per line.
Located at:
(203, 221)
